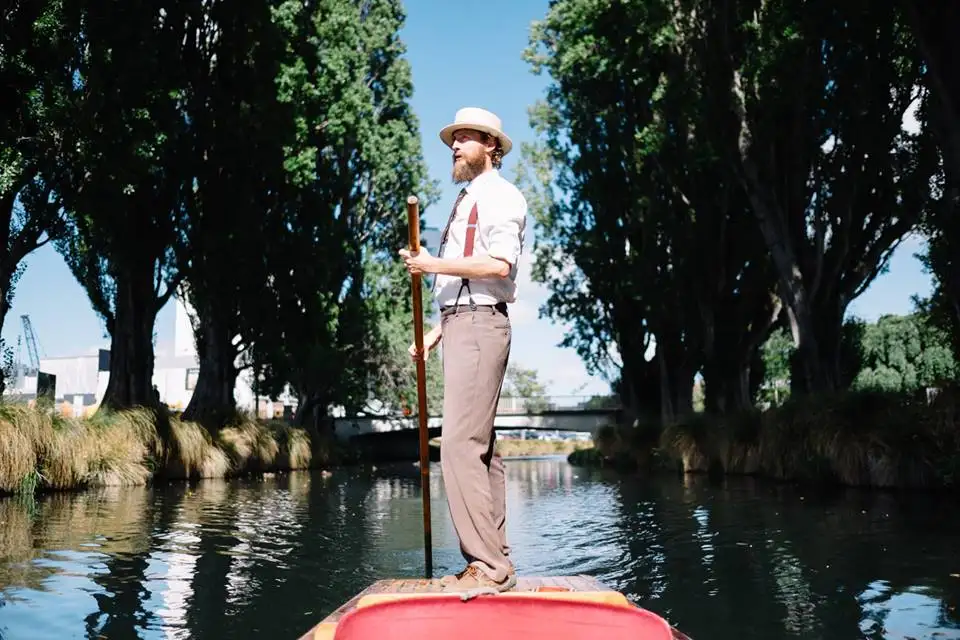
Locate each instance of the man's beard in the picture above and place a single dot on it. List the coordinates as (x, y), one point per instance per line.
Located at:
(469, 169)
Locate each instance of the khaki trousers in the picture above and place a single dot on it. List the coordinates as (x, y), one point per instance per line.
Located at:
(476, 347)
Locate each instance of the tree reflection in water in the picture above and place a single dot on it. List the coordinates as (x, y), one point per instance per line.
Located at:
(269, 557)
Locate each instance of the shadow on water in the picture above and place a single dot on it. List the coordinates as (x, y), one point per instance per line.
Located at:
(741, 558)
(269, 557)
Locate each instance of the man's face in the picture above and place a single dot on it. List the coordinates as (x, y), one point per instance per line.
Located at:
(470, 149)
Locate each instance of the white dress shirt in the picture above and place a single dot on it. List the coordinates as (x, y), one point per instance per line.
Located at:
(501, 223)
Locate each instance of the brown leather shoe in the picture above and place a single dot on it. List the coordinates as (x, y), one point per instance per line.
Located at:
(474, 578)
(453, 579)
(445, 580)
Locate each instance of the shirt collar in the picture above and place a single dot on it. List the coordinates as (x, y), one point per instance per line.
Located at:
(482, 179)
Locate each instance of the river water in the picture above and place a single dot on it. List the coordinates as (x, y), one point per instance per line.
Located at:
(268, 558)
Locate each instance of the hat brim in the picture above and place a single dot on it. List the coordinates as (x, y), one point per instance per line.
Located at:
(446, 134)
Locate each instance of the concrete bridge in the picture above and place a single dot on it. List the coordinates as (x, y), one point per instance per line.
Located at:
(396, 437)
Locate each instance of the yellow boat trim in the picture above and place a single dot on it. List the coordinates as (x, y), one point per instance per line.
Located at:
(602, 597)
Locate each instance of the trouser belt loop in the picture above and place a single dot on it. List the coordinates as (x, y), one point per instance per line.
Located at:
(494, 308)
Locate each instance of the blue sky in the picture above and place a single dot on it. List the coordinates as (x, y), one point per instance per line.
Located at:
(460, 57)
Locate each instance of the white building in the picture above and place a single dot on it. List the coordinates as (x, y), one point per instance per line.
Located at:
(81, 380)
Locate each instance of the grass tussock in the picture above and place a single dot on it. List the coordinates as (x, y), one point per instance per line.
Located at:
(43, 450)
(244, 445)
(256, 446)
(192, 453)
(509, 448)
(852, 438)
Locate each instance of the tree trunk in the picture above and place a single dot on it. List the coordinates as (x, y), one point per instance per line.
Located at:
(312, 416)
(131, 341)
(772, 221)
(311, 410)
(811, 374)
(676, 380)
(212, 403)
(739, 396)
(4, 309)
(639, 385)
(728, 378)
(6, 268)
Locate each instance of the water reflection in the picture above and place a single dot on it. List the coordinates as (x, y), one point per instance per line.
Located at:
(268, 558)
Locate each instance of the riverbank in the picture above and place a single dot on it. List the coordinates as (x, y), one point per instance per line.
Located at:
(42, 450)
(866, 439)
(509, 448)
(515, 448)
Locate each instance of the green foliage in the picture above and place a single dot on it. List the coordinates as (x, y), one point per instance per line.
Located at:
(894, 354)
(827, 235)
(8, 368)
(777, 353)
(352, 156)
(583, 235)
(392, 381)
(258, 159)
(123, 170)
(237, 129)
(699, 175)
(520, 382)
(36, 59)
(122, 173)
(942, 306)
(905, 354)
(637, 246)
(932, 24)
(685, 191)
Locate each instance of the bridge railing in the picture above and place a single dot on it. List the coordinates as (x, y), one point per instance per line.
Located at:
(514, 405)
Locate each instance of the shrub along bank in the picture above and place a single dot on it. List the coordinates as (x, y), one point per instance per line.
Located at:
(856, 438)
(42, 450)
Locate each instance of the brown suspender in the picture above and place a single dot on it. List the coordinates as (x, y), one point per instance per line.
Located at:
(467, 252)
(471, 232)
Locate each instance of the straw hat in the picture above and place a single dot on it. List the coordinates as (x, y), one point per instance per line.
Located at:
(479, 120)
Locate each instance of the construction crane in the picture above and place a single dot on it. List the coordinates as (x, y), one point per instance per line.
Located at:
(32, 352)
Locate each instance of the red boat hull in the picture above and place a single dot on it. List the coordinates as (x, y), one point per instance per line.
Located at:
(504, 616)
(555, 607)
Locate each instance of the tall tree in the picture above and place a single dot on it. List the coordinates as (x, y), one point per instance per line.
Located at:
(38, 54)
(600, 246)
(121, 176)
(354, 156)
(389, 379)
(684, 159)
(520, 382)
(652, 238)
(233, 58)
(935, 24)
(834, 179)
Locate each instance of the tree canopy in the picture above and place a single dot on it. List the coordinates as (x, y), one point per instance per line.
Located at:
(707, 172)
(713, 185)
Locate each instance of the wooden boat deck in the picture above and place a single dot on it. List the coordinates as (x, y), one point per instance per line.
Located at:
(423, 585)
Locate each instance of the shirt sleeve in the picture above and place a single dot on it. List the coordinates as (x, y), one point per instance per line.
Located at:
(507, 222)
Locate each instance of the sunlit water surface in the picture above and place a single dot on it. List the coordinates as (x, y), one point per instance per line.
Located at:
(269, 558)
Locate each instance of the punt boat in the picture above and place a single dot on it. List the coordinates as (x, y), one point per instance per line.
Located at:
(538, 608)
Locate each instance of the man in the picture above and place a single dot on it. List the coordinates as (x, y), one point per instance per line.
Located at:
(476, 269)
